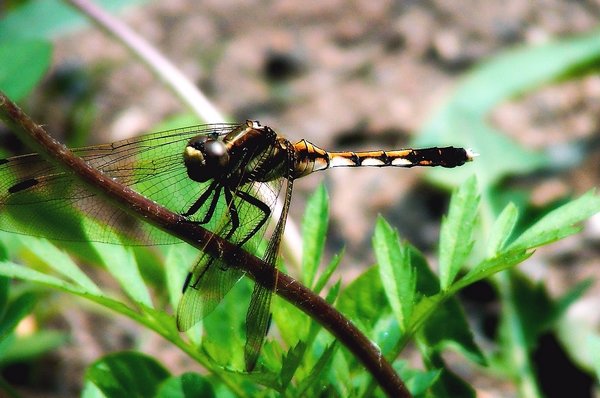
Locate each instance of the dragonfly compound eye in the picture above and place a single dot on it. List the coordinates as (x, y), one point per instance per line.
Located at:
(205, 158)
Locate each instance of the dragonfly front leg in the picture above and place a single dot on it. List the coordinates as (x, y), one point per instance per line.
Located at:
(215, 190)
(260, 205)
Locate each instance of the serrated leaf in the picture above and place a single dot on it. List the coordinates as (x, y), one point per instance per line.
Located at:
(188, 385)
(120, 262)
(327, 272)
(127, 374)
(23, 63)
(457, 231)
(290, 362)
(559, 223)
(314, 229)
(491, 266)
(502, 229)
(396, 272)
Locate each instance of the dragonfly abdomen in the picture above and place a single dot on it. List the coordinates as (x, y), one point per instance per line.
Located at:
(311, 158)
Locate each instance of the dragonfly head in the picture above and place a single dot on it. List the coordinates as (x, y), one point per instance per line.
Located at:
(205, 157)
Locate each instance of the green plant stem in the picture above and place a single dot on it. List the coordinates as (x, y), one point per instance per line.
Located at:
(523, 374)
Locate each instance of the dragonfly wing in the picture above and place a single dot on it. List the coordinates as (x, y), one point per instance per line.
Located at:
(259, 312)
(257, 324)
(152, 165)
(206, 286)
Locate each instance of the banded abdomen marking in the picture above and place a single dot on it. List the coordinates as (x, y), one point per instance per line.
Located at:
(311, 158)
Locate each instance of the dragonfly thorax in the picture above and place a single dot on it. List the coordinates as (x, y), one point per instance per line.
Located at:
(205, 158)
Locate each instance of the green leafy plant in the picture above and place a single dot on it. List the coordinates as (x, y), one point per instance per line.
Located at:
(397, 302)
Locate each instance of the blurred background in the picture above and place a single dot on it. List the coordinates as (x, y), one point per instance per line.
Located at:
(356, 75)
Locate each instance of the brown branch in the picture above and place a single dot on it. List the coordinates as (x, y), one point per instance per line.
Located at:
(139, 206)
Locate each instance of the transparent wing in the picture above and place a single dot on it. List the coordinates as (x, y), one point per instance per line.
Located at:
(38, 199)
(211, 279)
(204, 291)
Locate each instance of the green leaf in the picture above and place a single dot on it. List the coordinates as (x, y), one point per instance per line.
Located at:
(290, 362)
(457, 231)
(293, 324)
(565, 301)
(23, 63)
(447, 326)
(60, 261)
(559, 223)
(534, 310)
(445, 323)
(178, 262)
(120, 262)
(364, 300)
(187, 385)
(49, 17)
(17, 271)
(502, 229)
(127, 374)
(449, 385)
(417, 382)
(4, 288)
(314, 229)
(464, 119)
(315, 382)
(329, 270)
(396, 272)
(12, 270)
(18, 309)
(491, 266)
(90, 390)
(594, 344)
(225, 327)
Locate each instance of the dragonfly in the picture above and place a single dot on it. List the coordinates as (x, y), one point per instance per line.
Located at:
(225, 177)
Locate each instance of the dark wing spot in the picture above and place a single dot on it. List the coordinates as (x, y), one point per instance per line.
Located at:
(23, 185)
(188, 278)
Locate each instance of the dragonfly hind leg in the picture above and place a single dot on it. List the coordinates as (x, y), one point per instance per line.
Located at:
(260, 205)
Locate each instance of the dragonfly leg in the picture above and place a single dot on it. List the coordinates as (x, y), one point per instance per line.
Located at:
(214, 189)
(233, 213)
(260, 205)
